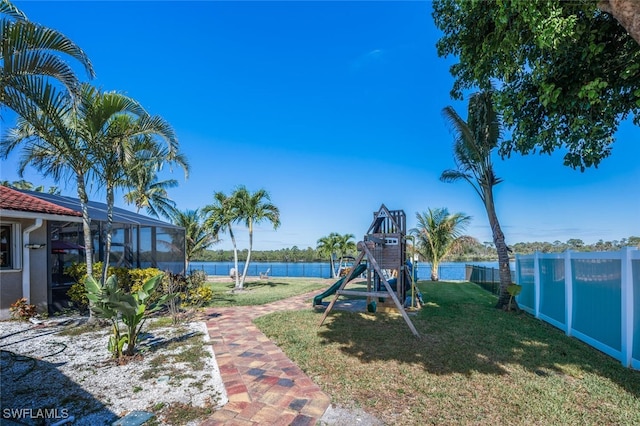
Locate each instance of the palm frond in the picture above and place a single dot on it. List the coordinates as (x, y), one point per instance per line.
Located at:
(7, 8)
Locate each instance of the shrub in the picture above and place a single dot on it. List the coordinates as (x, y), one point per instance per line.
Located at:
(129, 280)
(21, 310)
(78, 296)
(78, 271)
(200, 296)
(190, 292)
(137, 278)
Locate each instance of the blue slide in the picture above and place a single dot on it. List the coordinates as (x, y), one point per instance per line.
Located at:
(331, 290)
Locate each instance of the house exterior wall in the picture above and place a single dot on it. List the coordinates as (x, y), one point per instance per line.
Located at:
(11, 279)
(10, 291)
(39, 269)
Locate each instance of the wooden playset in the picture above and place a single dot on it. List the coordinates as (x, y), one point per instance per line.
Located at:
(383, 249)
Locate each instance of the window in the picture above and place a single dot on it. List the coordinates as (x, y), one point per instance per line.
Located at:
(6, 247)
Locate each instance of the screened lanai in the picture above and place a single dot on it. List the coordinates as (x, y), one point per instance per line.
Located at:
(138, 241)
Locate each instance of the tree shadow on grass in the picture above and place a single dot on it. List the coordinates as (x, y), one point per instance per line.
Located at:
(265, 283)
(29, 385)
(467, 338)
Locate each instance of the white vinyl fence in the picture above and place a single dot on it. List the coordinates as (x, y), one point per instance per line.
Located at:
(594, 297)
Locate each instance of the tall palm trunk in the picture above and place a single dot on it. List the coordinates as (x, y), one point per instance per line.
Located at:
(434, 272)
(334, 271)
(235, 257)
(108, 231)
(246, 263)
(86, 224)
(502, 249)
(86, 229)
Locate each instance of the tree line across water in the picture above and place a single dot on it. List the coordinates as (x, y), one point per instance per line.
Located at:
(474, 251)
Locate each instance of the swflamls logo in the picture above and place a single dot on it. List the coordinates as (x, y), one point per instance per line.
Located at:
(38, 413)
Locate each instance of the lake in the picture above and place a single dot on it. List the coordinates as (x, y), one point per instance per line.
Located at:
(454, 271)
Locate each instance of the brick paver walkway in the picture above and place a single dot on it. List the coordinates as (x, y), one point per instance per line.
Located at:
(263, 385)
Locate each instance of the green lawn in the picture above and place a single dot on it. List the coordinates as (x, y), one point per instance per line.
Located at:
(473, 364)
(259, 292)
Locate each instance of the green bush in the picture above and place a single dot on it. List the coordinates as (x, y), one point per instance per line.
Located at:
(199, 296)
(78, 295)
(137, 277)
(128, 280)
(190, 291)
(78, 271)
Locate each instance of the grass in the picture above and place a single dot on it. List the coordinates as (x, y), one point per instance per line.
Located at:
(473, 364)
(189, 350)
(261, 292)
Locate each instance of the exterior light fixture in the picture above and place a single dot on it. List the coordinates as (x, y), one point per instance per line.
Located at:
(34, 246)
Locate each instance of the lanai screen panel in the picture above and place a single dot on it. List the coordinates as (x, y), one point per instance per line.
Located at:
(170, 249)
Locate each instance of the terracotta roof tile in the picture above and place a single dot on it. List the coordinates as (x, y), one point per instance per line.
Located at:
(11, 199)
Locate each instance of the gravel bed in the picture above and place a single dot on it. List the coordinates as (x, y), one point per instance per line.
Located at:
(59, 371)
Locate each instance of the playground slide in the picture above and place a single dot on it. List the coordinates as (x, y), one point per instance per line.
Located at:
(331, 290)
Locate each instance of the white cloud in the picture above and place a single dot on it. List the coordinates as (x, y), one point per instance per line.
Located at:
(367, 59)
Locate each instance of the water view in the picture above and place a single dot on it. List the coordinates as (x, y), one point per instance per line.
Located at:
(448, 271)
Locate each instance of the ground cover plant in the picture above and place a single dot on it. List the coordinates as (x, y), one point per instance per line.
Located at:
(115, 305)
(473, 364)
(260, 292)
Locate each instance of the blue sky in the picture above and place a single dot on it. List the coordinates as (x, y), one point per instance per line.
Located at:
(334, 108)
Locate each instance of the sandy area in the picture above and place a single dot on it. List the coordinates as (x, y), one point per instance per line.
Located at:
(75, 379)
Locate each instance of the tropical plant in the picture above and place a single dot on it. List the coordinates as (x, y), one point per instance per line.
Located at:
(326, 247)
(186, 291)
(127, 280)
(253, 208)
(146, 190)
(219, 216)
(52, 143)
(335, 246)
(474, 141)
(33, 58)
(438, 234)
(345, 246)
(99, 137)
(22, 310)
(115, 127)
(113, 304)
(28, 186)
(197, 235)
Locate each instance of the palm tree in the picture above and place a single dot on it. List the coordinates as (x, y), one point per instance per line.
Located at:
(253, 209)
(326, 247)
(439, 234)
(52, 143)
(115, 126)
(21, 184)
(219, 217)
(95, 136)
(28, 186)
(146, 190)
(197, 236)
(32, 57)
(335, 247)
(344, 247)
(474, 142)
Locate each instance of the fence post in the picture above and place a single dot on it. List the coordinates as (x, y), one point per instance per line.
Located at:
(626, 282)
(536, 284)
(568, 292)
